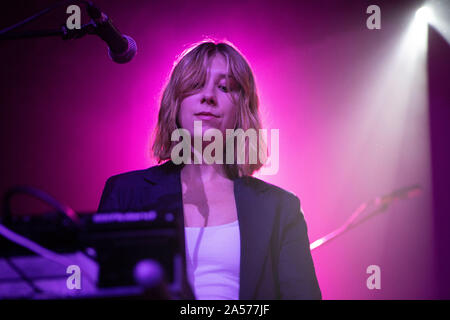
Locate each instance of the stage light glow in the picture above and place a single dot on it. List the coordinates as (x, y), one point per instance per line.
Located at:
(386, 139)
(417, 35)
(424, 14)
(437, 15)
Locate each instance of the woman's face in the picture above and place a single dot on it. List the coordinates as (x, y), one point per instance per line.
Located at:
(212, 103)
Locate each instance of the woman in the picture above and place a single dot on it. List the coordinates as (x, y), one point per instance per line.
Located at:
(244, 238)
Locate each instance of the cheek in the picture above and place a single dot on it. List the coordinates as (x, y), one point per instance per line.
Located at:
(184, 113)
(231, 116)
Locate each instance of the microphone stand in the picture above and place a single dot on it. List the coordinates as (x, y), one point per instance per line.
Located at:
(121, 49)
(381, 204)
(63, 32)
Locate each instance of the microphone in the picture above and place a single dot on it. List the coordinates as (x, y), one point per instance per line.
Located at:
(403, 193)
(121, 48)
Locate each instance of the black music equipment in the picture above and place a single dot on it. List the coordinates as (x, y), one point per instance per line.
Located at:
(110, 245)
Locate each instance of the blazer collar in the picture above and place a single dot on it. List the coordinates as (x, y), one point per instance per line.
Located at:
(256, 214)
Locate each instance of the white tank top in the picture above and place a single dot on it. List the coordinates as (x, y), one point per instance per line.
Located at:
(213, 261)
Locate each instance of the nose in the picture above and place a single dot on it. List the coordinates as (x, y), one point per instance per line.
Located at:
(209, 97)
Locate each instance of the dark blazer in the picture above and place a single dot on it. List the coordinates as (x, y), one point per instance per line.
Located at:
(275, 260)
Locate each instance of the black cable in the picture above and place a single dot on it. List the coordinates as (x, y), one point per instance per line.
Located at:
(41, 13)
(6, 215)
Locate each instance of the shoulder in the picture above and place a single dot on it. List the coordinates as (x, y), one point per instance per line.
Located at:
(137, 178)
(269, 190)
(127, 178)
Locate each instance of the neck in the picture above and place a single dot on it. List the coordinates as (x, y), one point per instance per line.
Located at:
(206, 172)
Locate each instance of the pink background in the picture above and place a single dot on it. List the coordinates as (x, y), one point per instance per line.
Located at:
(71, 118)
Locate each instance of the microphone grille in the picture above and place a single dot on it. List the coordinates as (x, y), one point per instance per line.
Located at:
(127, 55)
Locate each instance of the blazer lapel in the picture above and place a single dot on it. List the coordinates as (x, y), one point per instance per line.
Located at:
(255, 215)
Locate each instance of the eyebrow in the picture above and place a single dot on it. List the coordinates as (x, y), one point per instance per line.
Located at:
(224, 75)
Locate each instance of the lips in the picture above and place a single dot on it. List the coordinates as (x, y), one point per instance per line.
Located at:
(206, 114)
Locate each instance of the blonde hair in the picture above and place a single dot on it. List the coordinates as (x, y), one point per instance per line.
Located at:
(188, 72)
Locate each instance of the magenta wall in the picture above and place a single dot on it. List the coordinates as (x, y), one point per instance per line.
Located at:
(70, 118)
